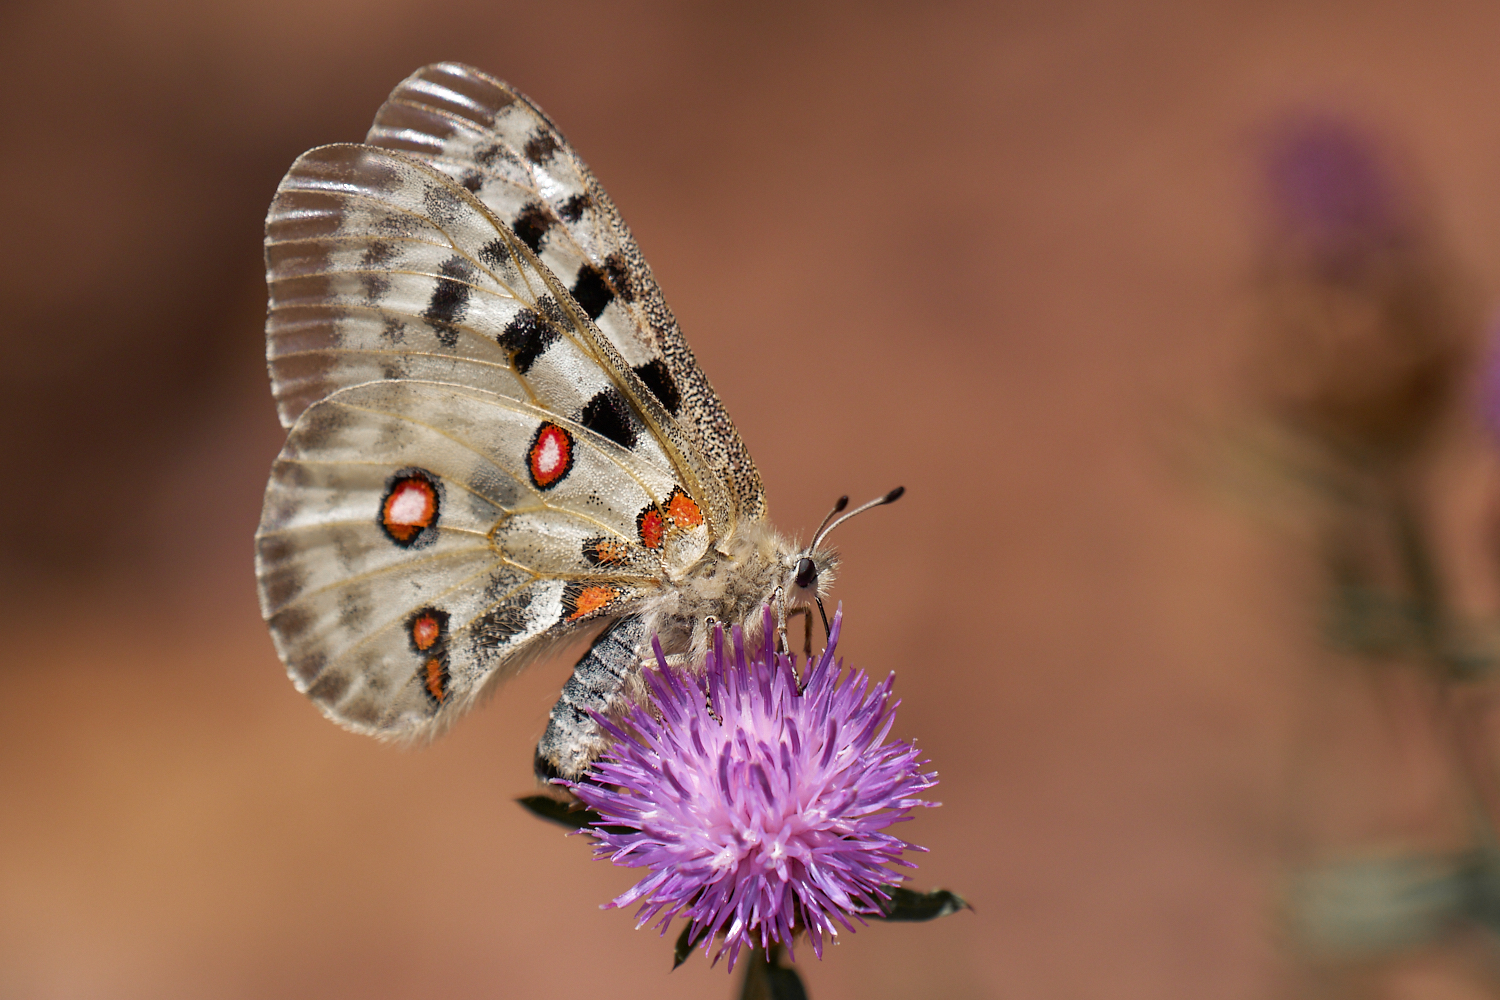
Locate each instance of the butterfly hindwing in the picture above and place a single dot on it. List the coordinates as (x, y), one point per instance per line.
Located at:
(493, 142)
(420, 540)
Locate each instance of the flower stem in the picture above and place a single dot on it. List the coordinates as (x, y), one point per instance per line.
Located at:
(767, 979)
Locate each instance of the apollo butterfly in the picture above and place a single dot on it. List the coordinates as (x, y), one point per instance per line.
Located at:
(497, 433)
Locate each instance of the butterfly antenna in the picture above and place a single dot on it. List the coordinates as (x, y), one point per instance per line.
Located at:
(827, 529)
(838, 506)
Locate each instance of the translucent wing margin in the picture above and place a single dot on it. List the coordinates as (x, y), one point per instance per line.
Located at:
(498, 145)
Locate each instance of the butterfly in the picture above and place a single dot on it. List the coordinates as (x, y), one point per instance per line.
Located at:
(498, 437)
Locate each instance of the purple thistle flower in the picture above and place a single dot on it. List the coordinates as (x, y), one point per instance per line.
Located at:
(760, 810)
(1331, 183)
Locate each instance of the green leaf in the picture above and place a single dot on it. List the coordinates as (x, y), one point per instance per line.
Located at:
(568, 814)
(685, 945)
(906, 905)
(1376, 906)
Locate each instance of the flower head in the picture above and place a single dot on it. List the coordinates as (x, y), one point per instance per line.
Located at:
(760, 809)
(1364, 317)
(1331, 183)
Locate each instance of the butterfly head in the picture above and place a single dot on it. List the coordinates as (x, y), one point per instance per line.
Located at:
(808, 575)
(811, 569)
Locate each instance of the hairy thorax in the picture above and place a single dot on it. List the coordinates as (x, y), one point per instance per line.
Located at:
(728, 585)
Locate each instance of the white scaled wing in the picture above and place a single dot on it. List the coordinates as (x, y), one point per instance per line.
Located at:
(494, 142)
(472, 471)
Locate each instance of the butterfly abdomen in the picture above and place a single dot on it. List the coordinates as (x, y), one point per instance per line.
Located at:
(573, 739)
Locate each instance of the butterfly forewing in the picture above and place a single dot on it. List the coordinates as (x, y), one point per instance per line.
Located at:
(379, 268)
(495, 143)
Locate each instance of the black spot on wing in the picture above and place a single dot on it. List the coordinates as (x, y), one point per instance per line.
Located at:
(548, 307)
(572, 210)
(376, 284)
(591, 291)
(473, 180)
(443, 206)
(378, 255)
(531, 225)
(488, 156)
(392, 330)
(659, 380)
(500, 625)
(450, 298)
(608, 414)
(541, 147)
(619, 276)
(526, 337)
(395, 226)
(495, 253)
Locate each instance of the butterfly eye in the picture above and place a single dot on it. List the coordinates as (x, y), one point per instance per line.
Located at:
(807, 572)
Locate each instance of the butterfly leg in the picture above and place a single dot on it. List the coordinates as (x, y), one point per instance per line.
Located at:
(573, 739)
(806, 614)
(710, 623)
(778, 600)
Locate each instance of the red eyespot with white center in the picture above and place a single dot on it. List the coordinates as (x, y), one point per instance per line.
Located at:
(409, 510)
(427, 629)
(550, 457)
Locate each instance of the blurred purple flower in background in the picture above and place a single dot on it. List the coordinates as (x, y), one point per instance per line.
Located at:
(760, 809)
(1365, 323)
(1330, 185)
(1363, 317)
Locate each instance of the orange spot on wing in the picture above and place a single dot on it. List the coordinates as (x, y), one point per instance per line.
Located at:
(652, 527)
(437, 680)
(683, 509)
(610, 552)
(592, 598)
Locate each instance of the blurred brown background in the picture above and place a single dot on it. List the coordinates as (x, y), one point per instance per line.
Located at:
(996, 253)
